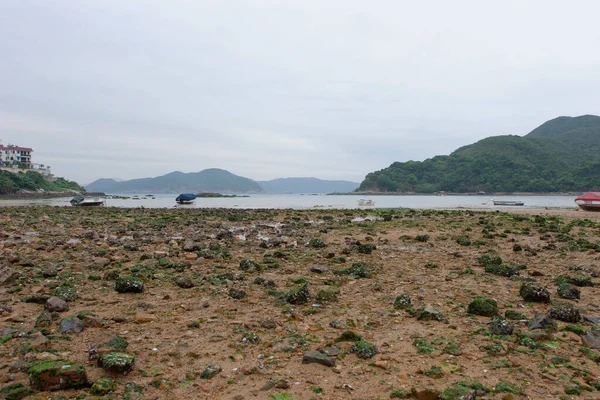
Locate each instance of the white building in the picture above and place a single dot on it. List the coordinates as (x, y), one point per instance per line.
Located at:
(12, 154)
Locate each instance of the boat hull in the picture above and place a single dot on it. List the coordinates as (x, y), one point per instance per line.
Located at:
(508, 203)
(590, 207)
(89, 204)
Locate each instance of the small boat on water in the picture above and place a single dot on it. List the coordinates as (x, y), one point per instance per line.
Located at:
(87, 201)
(366, 202)
(589, 201)
(185, 198)
(508, 202)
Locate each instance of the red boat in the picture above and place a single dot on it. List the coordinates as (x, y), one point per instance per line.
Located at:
(589, 201)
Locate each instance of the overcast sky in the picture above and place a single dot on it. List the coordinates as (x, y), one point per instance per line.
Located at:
(327, 88)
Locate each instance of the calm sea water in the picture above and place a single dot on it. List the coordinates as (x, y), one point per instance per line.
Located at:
(297, 201)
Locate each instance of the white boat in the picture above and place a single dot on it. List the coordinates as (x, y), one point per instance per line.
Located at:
(366, 202)
(81, 201)
(508, 202)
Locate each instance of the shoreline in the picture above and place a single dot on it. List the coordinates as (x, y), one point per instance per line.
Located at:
(575, 194)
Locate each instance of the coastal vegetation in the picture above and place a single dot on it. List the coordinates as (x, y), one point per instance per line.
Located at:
(33, 181)
(562, 155)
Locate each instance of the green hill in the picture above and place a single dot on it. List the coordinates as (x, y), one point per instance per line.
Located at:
(562, 154)
(12, 183)
(208, 180)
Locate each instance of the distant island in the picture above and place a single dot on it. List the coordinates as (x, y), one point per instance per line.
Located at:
(561, 155)
(208, 180)
(213, 181)
(306, 185)
(218, 195)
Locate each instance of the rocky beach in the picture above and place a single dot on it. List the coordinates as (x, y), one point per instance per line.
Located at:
(298, 304)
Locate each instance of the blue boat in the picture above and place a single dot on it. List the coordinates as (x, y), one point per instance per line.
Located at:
(186, 198)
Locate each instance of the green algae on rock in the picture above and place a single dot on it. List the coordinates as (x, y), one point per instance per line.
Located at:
(298, 295)
(210, 371)
(103, 386)
(117, 362)
(483, 306)
(57, 375)
(129, 284)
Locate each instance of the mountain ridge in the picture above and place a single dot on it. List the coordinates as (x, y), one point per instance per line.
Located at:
(206, 181)
(211, 179)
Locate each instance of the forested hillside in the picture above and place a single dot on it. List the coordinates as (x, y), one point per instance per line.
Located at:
(561, 155)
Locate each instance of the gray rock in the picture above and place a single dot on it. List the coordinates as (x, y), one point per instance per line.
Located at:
(593, 320)
(8, 275)
(331, 351)
(71, 324)
(592, 339)
(541, 321)
(55, 304)
(319, 358)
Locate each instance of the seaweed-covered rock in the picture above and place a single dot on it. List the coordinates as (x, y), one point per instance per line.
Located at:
(15, 391)
(402, 302)
(129, 284)
(569, 291)
(577, 280)
(184, 282)
(103, 386)
(298, 295)
(316, 243)
(565, 312)
(57, 375)
(249, 265)
(514, 315)
(116, 362)
(483, 306)
(535, 292)
(210, 371)
(500, 326)
(430, 313)
(364, 349)
(327, 293)
(67, 293)
(348, 336)
(44, 320)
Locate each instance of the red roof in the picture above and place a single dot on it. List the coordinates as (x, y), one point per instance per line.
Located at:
(589, 196)
(15, 148)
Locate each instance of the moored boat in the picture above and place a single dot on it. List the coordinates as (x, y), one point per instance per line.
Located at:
(508, 202)
(366, 202)
(589, 201)
(185, 198)
(87, 201)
